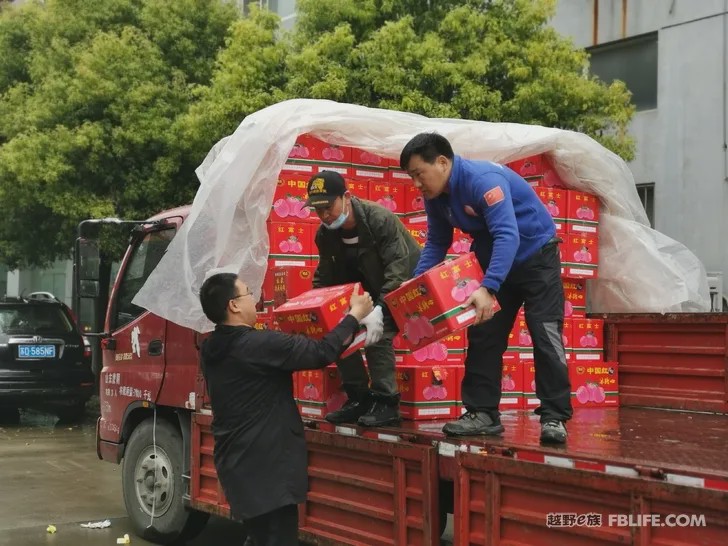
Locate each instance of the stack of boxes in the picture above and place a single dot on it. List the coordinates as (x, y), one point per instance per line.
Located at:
(429, 375)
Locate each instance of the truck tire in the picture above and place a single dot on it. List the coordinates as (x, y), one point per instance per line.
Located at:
(172, 521)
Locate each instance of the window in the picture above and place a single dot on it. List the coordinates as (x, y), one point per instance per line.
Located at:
(34, 320)
(143, 260)
(647, 196)
(634, 61)
(271, 5)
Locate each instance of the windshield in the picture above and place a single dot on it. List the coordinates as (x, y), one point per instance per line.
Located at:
(34, 320)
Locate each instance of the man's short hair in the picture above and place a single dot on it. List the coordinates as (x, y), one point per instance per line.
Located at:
(429, 146)
(215, 294)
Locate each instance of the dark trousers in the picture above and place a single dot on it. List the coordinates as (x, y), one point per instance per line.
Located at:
(537, 285)
(381, 363)
(276, 528)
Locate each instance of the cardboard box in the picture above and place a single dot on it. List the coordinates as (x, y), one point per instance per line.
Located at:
(289, 282)
(367, 159)
(291, 244)
(398, 175)
(580, 256)
(414, 203)
(588, 339)
(582, 213)
(428, 391)
(317, 312)
(429, 307)
(511, 386)
(266, 290)
(309, 149)
(520, 341)
(290, 198)
(530, 400)
(390, 195)
(460, 243)
(358, 188)
(568, 340)
(574, 298)
(555, 200)
(319, 392)
(436, 352)
(594, 385)
(419, 233)
(527, 167)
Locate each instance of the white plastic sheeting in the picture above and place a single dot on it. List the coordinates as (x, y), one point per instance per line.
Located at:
(640, 270)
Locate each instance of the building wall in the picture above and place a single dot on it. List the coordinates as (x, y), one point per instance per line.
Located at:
(680, 144)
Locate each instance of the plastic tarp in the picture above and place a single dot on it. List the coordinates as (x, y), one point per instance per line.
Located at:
(640, 270)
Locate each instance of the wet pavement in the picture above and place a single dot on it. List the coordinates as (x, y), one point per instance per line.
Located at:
(50, 474)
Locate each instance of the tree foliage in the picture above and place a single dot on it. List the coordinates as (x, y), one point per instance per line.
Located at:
(108, 106)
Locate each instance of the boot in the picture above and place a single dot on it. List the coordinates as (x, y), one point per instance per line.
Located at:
(384, 411)
(474, 423)
(357, 404)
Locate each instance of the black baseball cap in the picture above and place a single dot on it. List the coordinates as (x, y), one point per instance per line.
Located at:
(324, 188)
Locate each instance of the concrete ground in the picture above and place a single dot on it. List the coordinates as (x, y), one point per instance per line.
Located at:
(49, 474)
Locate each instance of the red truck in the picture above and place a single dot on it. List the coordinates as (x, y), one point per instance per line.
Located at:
(653, 471)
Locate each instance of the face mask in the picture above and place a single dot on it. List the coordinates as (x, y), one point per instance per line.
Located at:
(336, 224)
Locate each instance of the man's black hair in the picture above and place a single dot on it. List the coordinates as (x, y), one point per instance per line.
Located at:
(428, 146)
(215, 294)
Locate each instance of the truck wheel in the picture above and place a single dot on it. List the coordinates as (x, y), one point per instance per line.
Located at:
(163, 494)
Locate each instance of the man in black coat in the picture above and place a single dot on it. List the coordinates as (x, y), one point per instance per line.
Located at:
(260, 449)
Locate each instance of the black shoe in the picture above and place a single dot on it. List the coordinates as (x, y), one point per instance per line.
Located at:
(474, 423)
(384, 411)
(553, 432)
(350, 411)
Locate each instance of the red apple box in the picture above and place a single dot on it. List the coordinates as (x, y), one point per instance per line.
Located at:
(574, 298)
(588, 339)
(319, 392)
(419, 233)
(289, 282)
(511, 385)
(290, 198)
(594, 384)
(362, 158)
(414, 203)
(428, 391)
(390, 195)
(568, 340)
(267, 288)
(582, 213)
(522, 338)
(309, 149)
(291, 244)
(263, 323)
(358, 188)
(456, 344)
(429, 307)
(436, 352)
(580, 256)
(530, 166)
(398, 175)
(460, 243)
(554, 199)
(530, 400)
(317, 312)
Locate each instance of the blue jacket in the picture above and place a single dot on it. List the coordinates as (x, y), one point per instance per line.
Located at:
(498, 208)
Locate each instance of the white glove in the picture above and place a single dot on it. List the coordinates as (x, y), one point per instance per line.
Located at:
(374, 323)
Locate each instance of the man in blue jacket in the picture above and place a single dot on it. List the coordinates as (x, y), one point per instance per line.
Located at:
(514, 239)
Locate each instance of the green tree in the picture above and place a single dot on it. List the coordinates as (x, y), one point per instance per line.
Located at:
(88, 105)
(495, 61)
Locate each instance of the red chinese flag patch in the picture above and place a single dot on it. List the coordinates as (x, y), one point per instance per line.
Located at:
(494, 196)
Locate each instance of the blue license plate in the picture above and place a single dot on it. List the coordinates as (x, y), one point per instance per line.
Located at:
(36, 351)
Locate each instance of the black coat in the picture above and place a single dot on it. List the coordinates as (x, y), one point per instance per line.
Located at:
(260, 450)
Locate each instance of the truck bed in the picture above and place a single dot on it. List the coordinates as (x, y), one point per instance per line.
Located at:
(617, 462)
